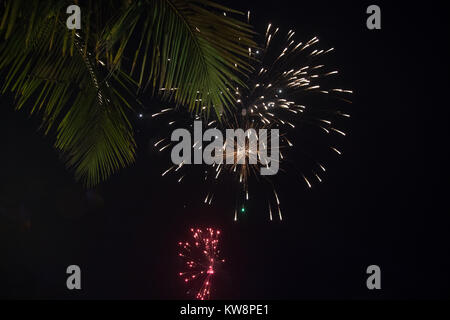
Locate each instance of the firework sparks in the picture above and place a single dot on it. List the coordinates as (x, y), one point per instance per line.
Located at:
(201, 257)
(289, 90)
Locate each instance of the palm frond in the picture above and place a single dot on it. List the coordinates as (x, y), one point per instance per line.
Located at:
(80, 82)
(73, 95)
(188, 49)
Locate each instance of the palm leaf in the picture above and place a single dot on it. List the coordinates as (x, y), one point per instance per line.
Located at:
(188, 46)
(82, 102)
(80, 82)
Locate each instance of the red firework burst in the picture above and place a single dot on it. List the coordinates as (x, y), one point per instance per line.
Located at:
(201, 256)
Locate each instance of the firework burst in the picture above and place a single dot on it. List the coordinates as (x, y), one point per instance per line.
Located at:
(290, 89)
(201, 258)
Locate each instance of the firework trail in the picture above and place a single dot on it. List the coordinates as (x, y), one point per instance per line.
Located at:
(201, 257)
(289, 89)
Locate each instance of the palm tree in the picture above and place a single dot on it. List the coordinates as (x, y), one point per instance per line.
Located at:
(82, 83)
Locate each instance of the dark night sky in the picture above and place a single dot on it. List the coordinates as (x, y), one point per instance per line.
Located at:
(382, 203)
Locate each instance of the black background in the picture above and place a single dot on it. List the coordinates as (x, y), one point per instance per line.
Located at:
(383, 203)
